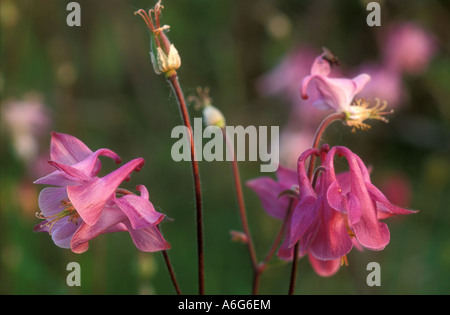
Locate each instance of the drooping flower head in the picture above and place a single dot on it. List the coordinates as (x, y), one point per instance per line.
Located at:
(331, 214)
(339, 94)
(83, 205)
(340, 211)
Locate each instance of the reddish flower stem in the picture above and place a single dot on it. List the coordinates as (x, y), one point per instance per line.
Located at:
(242, 212)
(173, 82)
(171, 272)
(263, 265)
(318, 136)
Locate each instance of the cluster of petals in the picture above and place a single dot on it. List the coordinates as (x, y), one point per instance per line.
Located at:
(341, 211)
(80, 205)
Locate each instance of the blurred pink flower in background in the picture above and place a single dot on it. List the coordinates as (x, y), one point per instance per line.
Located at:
(405, 48)
(25, 121)
(408, 48)
(385, 85)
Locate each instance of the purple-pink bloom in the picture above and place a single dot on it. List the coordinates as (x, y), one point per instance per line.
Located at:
(341, 211)
(336, 93)
(90, 203)
(276, 204)
(361, 201)
(330, 215)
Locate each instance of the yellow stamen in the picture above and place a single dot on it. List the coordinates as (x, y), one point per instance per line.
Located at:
(360, 110)
(69, 210)
(350, 232)
(344, 260)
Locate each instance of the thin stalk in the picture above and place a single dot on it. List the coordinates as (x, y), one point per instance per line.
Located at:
(317, 138)
(263, 265)
(173, 82)
(242, 210)
(171, 272)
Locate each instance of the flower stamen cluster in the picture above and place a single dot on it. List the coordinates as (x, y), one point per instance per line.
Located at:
(360, 110)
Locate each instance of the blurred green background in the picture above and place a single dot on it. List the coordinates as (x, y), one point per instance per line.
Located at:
(97, 83)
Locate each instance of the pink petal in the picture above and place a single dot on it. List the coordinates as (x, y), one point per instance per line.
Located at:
(332, 240)
(336, 198)
(303, 219)
(360, 82)
(91, 164)
(70, 173)
(371, 234)
(325, 268)
(287, 177)
(320, 66)
(268, 191)
(67, 149)
(89, 199)
(144, 192)
(148, 239)
(384, 206)
(139, 211)
(109, 221)
(57, 178)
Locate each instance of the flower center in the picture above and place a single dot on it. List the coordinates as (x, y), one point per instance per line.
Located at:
(69, 211)
(360, 110)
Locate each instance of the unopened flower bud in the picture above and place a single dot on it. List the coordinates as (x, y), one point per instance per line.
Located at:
(165, 63)
(213, 117)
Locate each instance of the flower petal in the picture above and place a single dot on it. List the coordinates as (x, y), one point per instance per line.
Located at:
(50, 199)
(304, 217)
(336, 199)
(332, 240)
(110, 221)
(139, 211)
(62, 232)
(90, 198)
(148, 239)
(268, 191)
(67, 149)
(325, 268)
(385, 208)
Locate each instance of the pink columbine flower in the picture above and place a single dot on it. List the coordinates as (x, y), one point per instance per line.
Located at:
(89, 203)
(276, 196)
(339, 94)
(338, 212)
(336, 93)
